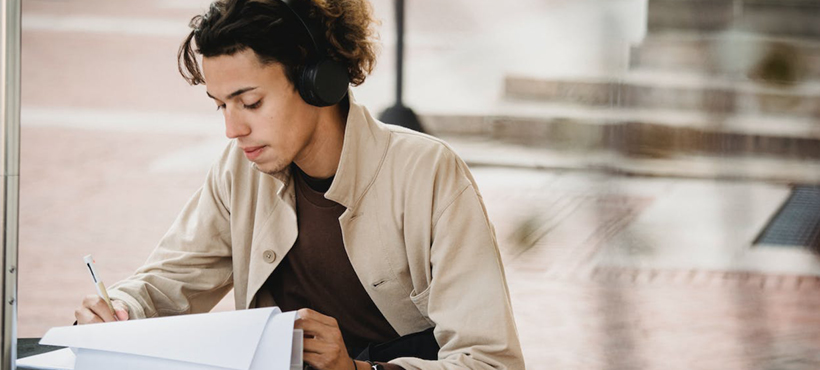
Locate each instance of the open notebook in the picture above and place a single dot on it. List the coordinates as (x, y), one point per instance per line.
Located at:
(261, 338)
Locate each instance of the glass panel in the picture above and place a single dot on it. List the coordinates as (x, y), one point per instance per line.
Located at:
(630, 153)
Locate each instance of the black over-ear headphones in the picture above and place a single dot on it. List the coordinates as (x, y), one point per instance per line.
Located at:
(324, 81)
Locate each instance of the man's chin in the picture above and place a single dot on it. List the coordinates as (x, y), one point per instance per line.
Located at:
(268, 168)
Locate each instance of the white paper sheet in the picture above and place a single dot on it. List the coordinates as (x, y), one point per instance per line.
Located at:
(246, 339)
(274, 346)
(61, 359)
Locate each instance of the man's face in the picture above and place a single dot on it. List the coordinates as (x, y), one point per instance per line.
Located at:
(262, 110)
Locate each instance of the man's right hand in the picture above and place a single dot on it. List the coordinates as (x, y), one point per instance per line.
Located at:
(95, 310)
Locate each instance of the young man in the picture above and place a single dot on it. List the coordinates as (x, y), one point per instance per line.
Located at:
(376, 234)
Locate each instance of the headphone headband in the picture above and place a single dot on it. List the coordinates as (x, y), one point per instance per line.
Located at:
(324, 82)
(299, 9)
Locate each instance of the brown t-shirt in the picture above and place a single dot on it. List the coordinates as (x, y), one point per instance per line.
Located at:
(317, 273)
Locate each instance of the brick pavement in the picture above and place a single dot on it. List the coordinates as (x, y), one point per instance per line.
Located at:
(577, 310)
(614, 324)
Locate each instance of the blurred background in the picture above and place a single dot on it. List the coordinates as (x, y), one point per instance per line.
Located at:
(651, 166)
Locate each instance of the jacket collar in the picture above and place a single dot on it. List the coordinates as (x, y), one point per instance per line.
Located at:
(363, 151)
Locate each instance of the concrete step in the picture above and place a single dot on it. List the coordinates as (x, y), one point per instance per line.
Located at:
(672, 91)
(786, 18)
(489, 152)
(700, 15)
(735, 55)
(640, 133)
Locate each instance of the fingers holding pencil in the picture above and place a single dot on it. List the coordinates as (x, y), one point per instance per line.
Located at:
(95, 310)
(99, 308)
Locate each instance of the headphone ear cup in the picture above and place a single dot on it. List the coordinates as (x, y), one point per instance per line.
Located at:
(323, 83)
(306, 87)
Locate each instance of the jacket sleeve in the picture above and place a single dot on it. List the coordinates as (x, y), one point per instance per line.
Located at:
(467, 296)
(190, 270)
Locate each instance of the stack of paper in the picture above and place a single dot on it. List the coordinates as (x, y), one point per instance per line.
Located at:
(254, 339)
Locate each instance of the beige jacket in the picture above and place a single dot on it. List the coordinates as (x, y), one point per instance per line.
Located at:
(415, 229)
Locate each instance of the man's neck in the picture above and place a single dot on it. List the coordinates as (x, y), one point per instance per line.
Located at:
(322, 156)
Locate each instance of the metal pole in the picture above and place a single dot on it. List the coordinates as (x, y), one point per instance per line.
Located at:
(399, 51)
(10, 158)
(399, 114)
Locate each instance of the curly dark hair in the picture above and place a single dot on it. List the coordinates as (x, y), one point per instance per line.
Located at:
(231, 26)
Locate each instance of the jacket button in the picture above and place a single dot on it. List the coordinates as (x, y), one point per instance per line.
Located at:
(269, 256)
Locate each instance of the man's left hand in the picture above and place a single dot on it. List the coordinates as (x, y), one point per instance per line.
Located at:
(323, 345)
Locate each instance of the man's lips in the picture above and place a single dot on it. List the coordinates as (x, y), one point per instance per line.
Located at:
(252, 152)
(252, 148)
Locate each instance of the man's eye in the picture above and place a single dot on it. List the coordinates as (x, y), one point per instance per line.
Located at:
(218, 107)
(254, 105)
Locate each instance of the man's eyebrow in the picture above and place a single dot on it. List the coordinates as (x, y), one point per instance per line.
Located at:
(235, 93)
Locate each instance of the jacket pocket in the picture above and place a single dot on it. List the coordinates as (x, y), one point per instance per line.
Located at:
(421, 300)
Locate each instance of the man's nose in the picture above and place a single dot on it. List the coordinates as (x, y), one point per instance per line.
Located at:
(235, 126)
